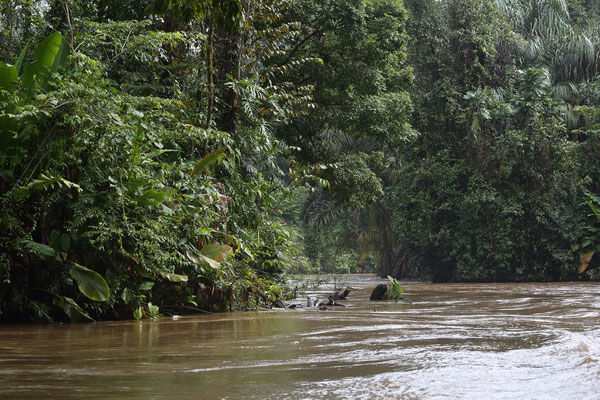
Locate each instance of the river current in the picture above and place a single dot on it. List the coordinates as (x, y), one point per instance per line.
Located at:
(452, 341)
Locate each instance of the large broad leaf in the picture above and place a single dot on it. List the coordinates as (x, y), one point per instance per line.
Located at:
(90, 283)
(42, 250)
(201, 259)
(211, 254)
(137, 314)
(21, 58)
(126, 295)
(146, 286)
(208, 159)
(174, 277)
(8, 77)
(74, 311)
(61, 57)
(217, 252)
(44, 58)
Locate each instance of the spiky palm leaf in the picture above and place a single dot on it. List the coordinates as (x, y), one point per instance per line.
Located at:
(548, 40)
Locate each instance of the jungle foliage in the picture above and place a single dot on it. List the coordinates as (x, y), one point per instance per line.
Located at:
(121, 197)
(164, 156)
(486, 174)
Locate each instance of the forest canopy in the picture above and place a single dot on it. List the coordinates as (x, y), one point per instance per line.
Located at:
(170, 156)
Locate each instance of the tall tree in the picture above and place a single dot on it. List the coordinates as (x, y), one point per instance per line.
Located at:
(360, 123)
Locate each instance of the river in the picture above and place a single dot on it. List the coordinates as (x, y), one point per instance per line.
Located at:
(453, 341)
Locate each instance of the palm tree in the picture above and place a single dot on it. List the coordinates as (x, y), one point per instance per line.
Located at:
(549, 39)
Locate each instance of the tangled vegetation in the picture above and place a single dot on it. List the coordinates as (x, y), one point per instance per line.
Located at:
(165, 156)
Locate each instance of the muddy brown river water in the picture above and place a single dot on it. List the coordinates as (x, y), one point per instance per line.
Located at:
(454, 341)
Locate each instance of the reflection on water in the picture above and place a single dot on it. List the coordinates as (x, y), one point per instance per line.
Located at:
(454, 341)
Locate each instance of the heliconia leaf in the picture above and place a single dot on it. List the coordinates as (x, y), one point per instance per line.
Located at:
(44, 57)
(90, 283)
(46, 51)
(60, 58)
(208, 159)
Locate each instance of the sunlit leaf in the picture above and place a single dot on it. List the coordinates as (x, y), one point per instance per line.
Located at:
(217, 252)
(146, 286)
(201, 259)
(137, 314)
(208, 159)
(174, 277)
(154, 310)
(44, 57)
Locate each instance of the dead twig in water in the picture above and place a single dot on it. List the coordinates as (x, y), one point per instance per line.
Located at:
(189, 308)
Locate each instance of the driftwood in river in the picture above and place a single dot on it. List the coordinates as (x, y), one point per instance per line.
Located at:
(341, 294)
(331, 301)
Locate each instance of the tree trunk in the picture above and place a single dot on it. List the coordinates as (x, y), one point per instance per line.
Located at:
(210, 73)
(228, 51)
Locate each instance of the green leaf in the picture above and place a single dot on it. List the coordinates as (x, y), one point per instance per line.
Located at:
(41, 311)
(65, 242)
(174, 277)
(42, 183)
(208, 159)
(137, 314)
(44, 57)
(20, 59)
(60, 58)
(90, 283)
(126, 295)
(201, 259)
(154, 310)
(146, 286)
(74, 311)
(8, 77)
(211, 254)
(594, 209)
(42, 250)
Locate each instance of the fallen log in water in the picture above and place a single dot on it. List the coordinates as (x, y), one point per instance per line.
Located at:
(341, 294)
(331, 301)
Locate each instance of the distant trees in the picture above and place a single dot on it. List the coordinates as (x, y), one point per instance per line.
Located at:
(492, 189)
(359, 125)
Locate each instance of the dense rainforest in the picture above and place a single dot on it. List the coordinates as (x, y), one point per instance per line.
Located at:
(172, 156)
